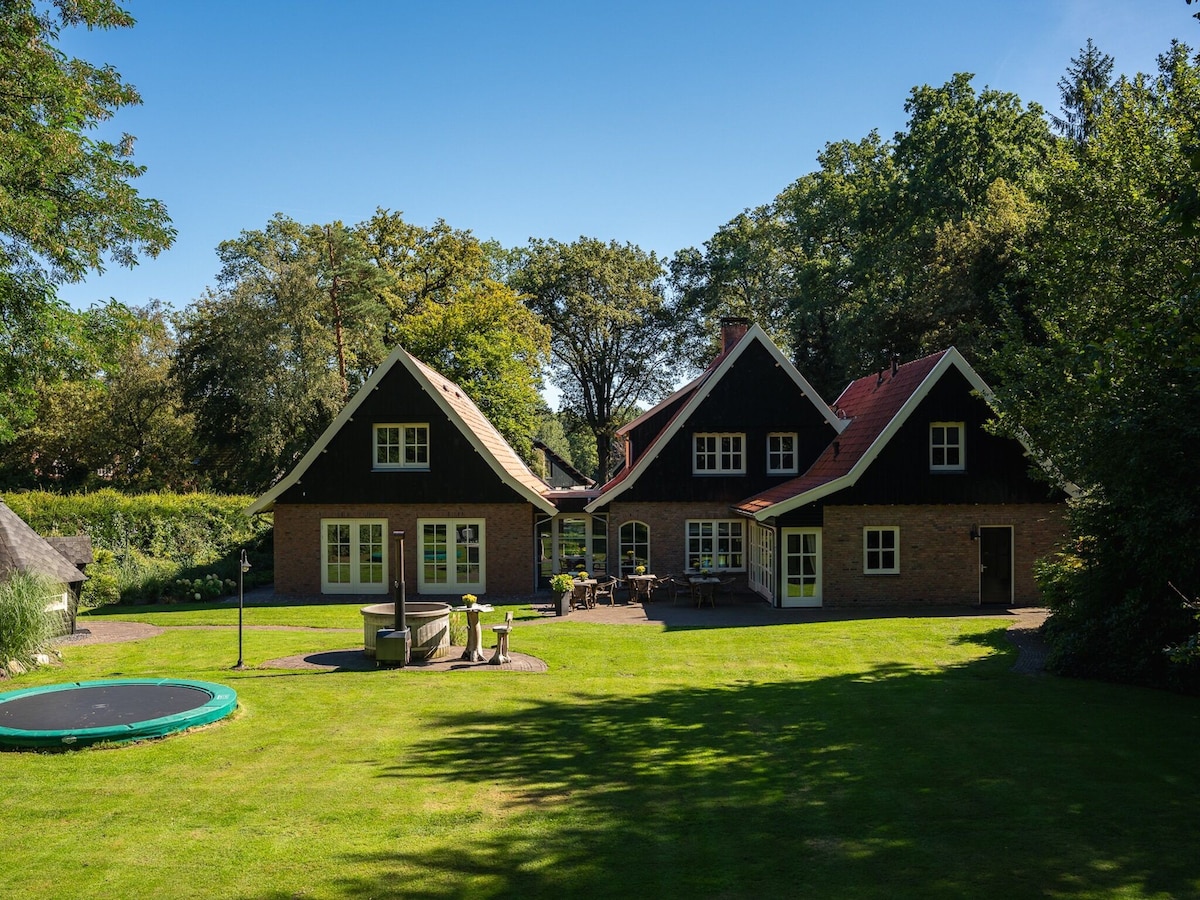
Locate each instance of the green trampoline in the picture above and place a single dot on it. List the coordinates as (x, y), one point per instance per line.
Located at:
(121, 709)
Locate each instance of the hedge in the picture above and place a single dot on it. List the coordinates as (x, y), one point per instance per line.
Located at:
(146, 545)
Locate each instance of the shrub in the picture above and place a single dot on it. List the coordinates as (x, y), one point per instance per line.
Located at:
(26, 626)
(102, 587)
(155, 539)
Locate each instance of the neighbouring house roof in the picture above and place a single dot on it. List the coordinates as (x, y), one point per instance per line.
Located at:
(692, 395)
(876, 407)
(458, 408)
(24, 550)
(577, 477)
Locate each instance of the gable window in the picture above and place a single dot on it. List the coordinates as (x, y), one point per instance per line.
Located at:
(718, 454)
(781, 454)
(451, 556)
(634, 538)
(881, 550)
(946, 451)
(716, 544)
(402, 446)
(354, 556)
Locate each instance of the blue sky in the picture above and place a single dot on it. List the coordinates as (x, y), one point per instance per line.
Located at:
(649, 122)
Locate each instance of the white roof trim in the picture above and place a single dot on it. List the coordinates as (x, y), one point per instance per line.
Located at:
(267, 501)
(698, 397)
(952, 358)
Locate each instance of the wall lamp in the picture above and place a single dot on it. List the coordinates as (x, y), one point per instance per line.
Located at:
(974, 532)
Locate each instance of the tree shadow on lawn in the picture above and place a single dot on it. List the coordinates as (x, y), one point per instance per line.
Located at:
(885, 783)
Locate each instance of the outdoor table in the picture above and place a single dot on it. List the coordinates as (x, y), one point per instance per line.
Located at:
(474, 651)
(642, 585)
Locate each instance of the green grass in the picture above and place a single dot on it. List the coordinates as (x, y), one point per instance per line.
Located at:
(870, 759)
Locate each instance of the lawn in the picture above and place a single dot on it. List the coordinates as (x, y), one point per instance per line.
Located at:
(881, 758)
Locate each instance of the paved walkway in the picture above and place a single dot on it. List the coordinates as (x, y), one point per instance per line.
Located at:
(1022, 630)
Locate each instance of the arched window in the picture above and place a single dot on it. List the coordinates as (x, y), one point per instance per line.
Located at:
(634, 546)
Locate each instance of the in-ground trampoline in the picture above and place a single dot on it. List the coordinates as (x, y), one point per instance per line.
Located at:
(121, 709)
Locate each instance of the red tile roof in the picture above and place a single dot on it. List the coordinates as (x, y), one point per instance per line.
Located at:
(871, 403)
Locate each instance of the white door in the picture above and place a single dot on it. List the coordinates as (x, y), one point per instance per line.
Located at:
(763, 576)
(801, 567)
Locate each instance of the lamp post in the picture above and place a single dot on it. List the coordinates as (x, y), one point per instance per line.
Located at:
(243, 568)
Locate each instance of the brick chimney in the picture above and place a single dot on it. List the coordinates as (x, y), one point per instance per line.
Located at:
(733, 329)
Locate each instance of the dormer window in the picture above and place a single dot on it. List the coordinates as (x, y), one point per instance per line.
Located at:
(946, 450)
(719, 454)
(781, 454)
(402, 446)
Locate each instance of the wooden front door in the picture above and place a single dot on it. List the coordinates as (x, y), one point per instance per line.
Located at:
(996, 565)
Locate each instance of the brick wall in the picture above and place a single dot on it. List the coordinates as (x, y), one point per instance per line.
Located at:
(939, 563)
(508, 542)
(668, 531)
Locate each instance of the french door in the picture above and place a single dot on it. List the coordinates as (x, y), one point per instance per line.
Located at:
(354, 556)
(801, 567)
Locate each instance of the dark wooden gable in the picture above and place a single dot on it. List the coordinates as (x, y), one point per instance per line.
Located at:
(344, 471)
(756, 397)
(997, 469)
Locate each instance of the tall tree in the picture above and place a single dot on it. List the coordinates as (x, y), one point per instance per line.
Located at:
(303, 315)
(67, 202)
(118, 425)
(1083, 89)
(1109, 391)
(614, 337)
(890, 247)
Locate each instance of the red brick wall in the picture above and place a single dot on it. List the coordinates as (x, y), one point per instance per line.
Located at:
(939, 563)
(508, 542)
(668, 538)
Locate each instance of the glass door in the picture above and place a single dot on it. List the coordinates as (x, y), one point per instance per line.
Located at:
(801, 567)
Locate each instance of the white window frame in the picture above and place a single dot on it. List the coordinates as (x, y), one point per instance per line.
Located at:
(355, 566)
(944, 447)
(632, 546)
(404, 442)
(877, 553)
(763, 574)
(798, 586)
(777, 455)
(704, 540)
(462, 571)
(719, 453)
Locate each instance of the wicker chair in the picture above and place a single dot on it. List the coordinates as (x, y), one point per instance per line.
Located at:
(679, 586)
(606, 589)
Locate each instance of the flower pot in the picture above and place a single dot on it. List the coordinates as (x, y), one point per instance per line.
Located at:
(562, 603)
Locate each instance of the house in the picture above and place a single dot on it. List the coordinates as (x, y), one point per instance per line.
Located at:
(894, 493)
(61, 560)
(410, 452)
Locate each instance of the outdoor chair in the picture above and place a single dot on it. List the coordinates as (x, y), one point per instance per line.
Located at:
(606, 589)
(726, 586)
(623, 584)
(659, 582)
(581, 595)
(679, 586)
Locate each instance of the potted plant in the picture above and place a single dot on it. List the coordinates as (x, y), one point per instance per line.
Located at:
(639, 570)
(469, 599)
(562, 585)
